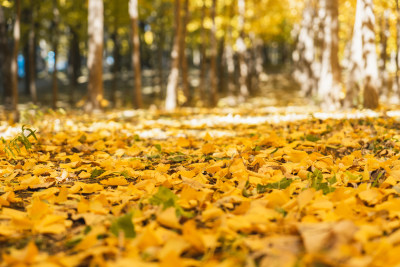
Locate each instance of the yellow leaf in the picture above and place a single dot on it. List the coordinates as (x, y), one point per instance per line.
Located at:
(371, 196)
(305, 197)
(84, 175)
(115, 181)
(211, 213)
(168, 218)
(191, 235)
(91, 188)
(38, 209)
(22, 257)
(207, 148)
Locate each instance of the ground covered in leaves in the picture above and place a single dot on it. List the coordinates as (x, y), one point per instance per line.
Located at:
(150, 189)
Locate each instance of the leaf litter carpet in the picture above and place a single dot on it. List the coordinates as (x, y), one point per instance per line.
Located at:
(197, 188)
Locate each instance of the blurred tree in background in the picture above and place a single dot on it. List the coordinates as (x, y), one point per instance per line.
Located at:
(172, 53)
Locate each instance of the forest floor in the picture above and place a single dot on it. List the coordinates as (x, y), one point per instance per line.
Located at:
(248, 186)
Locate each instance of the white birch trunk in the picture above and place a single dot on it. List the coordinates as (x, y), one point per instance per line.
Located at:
(95, 53)
(370, 57)
(329, 82)
(170, 101)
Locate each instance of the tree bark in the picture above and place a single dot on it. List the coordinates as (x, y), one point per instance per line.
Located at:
(202, 84)
(74, 64)
(170, 102)
(304, 55)
(14, 63)
(31, 56)
(160, 51)
(363, 61)
(384, 36)
(183, 58)
(213, 57)
(5, 57)
(115, 67)
(95, 54)
(329, 82)
(397, 79)
(221, 66)
(116, 55)
(230, 62)
(55, 50)
(243, 67)
(257, 68)
(356, 60)
(371, 97)
(133, 13)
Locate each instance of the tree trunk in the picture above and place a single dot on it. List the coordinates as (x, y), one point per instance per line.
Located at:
(5, 57)
(304, 55)
(95, 54)
(26, 18)
(116, 55)
(133, 13)
(363, 61)
(384, 36)
(243, 67)
(14, 63)
(356, 60)
(170, 102)
(160, 52)
(183, 58)
(213, 57)
(115, 68)
(31, 56)
(397, 79)
(371, 98)
(257, 68)
(221, 66)
(74, 64)
(55, 50)
(230, 62)
(329, 83)
(202, 85)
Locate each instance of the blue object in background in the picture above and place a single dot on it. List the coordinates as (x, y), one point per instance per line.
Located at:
(110, 60)
(21, 66)
(50, 61)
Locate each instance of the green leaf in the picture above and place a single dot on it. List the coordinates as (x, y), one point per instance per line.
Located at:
(123, 224)
(282, 184)
(332, 180)
(179, 158)
(167, 198)
(82, 139)
(96, 172)
(353, 177)
(312, 138)
(326, 189)
(136, 138)
(31, 132)
(281, 211)
(316, 178)
(245, 191)
(73, 242)
(87, 229)
(125, 174)
(17, 141)
(181, 212)
(158, 146)
(164, 197)
(316, 182)
(276, 149)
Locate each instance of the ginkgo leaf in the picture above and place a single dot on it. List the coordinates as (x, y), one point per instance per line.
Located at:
(123, 225)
